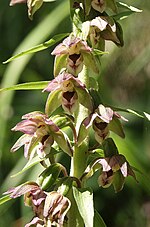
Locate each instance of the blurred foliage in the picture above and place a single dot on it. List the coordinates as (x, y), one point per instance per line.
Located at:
(124, 82)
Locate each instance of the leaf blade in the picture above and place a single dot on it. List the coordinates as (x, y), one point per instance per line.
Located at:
(84, 200)
(39, 47)
(27, 86)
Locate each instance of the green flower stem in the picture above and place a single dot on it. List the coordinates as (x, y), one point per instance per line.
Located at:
(78, 163)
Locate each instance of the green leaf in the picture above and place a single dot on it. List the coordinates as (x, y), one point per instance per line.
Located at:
(128, 11)
(131, 8)
(53, 102)
(39, 47)
(134, 112)
(4, 199)
(27, 86)
(98, 221)
(84, 200)
(29, 164)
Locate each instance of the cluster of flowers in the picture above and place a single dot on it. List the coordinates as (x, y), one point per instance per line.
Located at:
(42, 130)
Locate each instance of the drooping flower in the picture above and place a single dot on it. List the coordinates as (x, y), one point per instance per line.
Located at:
(72, 53)
(104, 120)
(68, 91)
(99, 5)
(102, 5)
(100, 29)
(114, 171)
(50, 208)
(55, 208)
(39, 135)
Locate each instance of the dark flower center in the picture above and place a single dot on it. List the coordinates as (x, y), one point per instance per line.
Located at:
(68, 95)
(101, 125)
(74, 57)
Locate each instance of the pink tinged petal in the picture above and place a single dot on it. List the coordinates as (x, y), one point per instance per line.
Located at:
(75, 65)
(99, 23)
(69, 101)
(89, 120)
(106, 113)
(124, 169)
(56, 206)
(23, 140)
(119, 116)
(13, 2)
(37, 222)
(60, 49)
(105, 164)
(34, 115)
(26, 126)
(38, 196)
(22, 189)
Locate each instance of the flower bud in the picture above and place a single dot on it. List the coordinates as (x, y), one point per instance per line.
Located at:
(48, 177)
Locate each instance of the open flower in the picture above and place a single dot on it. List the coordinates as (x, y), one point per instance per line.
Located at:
(103, 121)
(114, 171)
(39, 135)
(68, 91)
(72, 53)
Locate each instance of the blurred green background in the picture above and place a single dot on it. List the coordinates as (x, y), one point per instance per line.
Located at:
(124, 82)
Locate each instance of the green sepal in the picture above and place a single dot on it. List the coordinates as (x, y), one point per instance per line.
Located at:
(33, 6)
(53, 102)
(118, 181)
(32, 148)
(60, 63)
(84, 201)
(109, 147)
(84, 98)
(63, 142)
(83, 132)
(48, 177)
(98, 220)
(90, 62)
(116, 127)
